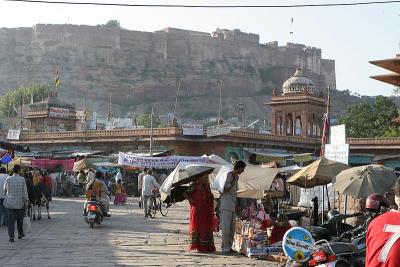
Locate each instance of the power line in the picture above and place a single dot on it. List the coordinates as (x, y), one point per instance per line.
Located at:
(205, 6)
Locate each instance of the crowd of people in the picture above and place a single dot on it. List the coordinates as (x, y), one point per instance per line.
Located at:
(18, 189)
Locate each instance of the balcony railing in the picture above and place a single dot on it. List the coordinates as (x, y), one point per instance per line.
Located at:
(102, 134)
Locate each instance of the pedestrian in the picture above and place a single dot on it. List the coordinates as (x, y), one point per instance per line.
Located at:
(202, 218)
(119, 175)
(140, 184)
(3, 210)
(15, 200)
(120, 193)
(383, 234)
(228, 206)
(149, 183)
(54, 175)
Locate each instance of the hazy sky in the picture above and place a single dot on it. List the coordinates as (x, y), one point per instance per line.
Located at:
(351, 36)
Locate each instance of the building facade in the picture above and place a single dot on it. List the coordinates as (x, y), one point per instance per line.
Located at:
(52, 115)
(298, 111)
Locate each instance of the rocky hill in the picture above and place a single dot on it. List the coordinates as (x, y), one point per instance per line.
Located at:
(142, 68)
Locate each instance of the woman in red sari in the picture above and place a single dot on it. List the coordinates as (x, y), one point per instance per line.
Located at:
(201, 215)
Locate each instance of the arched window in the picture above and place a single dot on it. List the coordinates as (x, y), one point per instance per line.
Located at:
(289, 124)
(308, 128)
(319, 127)
(298, 126)
(279, 126)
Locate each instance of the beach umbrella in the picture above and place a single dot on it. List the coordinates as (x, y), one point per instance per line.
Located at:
(362, 181)
(320, 172)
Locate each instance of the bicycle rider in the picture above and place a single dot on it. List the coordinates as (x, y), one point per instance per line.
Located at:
(149, 183)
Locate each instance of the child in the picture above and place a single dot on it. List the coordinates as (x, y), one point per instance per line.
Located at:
(120, 193)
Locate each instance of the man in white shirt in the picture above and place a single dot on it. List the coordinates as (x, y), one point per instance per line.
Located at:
(149, 183)
(3, 210)
(140, 185)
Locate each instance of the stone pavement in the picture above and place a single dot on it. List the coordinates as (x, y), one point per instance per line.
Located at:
(125, 239)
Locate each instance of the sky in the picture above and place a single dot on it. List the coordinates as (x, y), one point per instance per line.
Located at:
(352, 36)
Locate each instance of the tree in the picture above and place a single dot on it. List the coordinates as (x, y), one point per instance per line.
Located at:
(113, 23)
(12, 100)
(144, 119)
(366, 120)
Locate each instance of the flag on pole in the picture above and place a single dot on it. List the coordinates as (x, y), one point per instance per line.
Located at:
(57, 80)
(325, 129)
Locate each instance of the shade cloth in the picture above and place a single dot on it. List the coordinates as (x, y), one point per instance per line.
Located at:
(51, 164)
(80, 165)
(320, 172)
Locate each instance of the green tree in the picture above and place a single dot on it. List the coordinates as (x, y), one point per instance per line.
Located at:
(366, 120)
(12, 100)
(144, 119)
(113, 23)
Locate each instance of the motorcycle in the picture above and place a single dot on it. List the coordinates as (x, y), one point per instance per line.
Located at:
(93, 213)
(332, 227)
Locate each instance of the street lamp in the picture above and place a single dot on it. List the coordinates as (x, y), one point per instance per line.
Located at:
(220, 121)
(241, 109)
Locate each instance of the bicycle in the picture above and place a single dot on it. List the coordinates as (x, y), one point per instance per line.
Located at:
(157, 204)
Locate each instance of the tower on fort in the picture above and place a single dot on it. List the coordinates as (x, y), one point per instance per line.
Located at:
(298, 111)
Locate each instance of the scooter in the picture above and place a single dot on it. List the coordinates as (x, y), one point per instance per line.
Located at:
(93, 213)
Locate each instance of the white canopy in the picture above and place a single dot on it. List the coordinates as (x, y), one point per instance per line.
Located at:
(252, 182)
(292, 168)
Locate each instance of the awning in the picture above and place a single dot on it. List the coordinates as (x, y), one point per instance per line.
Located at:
(301, 158)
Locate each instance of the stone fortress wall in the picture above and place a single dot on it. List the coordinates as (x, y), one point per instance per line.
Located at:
(144, 66)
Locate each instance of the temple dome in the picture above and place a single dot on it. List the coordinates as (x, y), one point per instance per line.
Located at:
(298, 83)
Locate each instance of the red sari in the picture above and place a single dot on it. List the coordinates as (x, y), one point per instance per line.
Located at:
(201, 217)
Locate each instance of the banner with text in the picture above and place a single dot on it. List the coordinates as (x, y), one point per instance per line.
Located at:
(338, 153)
(192, 129)
(58, 112)
(218, 130)
(169, 162)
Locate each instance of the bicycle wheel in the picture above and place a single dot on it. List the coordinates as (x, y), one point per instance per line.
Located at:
(163, 208)
(152, 208)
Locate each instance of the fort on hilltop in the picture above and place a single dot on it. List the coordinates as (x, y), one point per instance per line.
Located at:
(142, 67)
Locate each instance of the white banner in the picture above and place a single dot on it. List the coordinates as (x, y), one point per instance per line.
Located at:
(338, 153)
(169, 162)
(58, 112)
(337, 135)
(218, 130)
(192, 129)
(13, 134)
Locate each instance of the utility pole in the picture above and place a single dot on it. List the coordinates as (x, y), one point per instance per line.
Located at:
(151, 133)
(220, 121)
(176, 101)
(241, 109)
(22, 119)
(109, 111)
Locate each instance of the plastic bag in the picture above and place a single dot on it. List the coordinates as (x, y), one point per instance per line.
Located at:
(27, 225)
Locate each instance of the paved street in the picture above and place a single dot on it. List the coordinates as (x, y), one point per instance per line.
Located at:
(125, 239)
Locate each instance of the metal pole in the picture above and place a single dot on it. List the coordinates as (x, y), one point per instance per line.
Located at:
(323, 204)
(22, 120)
(151, 132)
(176, 99)
(220, 102)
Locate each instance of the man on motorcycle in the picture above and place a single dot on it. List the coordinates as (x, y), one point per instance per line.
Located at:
(98, 190)
(383, 234)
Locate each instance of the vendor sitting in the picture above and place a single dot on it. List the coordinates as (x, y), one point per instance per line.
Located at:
(280, 226)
